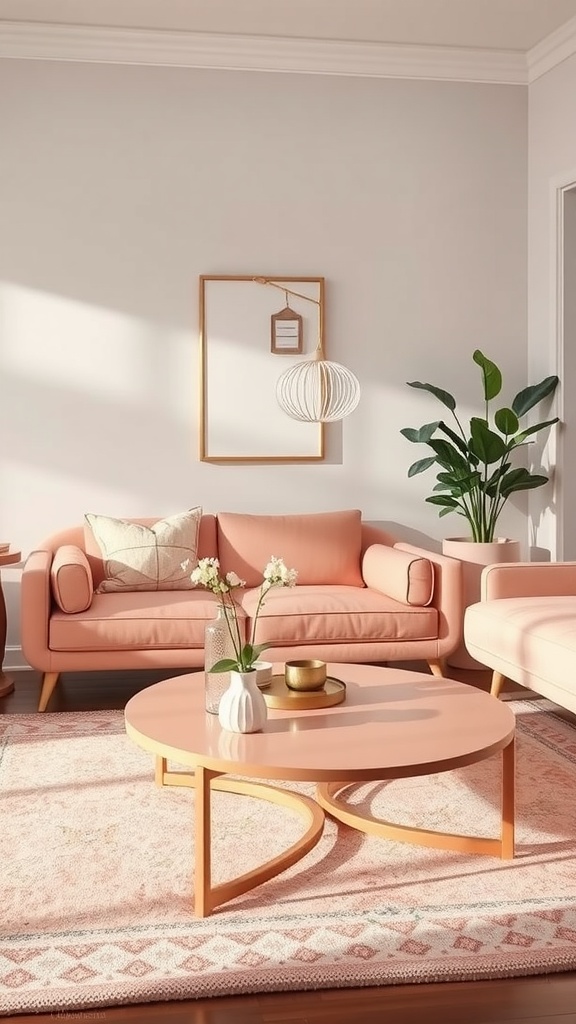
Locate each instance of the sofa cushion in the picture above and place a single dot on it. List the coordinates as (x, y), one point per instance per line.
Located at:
(324, 547)
(136, 621)
(336, 614)
(138, 557)
(405, 577)
(71, 579)
(532, 637)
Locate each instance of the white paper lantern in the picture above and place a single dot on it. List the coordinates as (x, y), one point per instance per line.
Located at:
(318, 390)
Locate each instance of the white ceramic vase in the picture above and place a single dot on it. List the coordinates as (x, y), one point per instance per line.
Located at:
(242, 707)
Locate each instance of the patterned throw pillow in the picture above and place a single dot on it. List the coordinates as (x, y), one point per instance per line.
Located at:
(139, 557)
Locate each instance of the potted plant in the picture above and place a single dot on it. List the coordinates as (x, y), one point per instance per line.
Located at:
(475, 472)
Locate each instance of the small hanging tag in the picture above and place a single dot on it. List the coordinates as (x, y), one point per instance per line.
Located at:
(286, 332)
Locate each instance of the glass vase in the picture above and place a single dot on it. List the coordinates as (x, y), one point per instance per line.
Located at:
(217, 645)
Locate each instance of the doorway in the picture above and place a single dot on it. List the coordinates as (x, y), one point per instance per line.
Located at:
(567, 373)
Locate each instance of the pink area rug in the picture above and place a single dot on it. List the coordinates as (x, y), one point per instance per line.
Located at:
(95, 887)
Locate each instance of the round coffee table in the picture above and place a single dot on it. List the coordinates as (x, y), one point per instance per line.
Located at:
(393, 724)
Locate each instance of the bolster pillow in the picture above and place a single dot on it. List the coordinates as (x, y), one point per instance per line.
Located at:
(399, 574)
(71, 579)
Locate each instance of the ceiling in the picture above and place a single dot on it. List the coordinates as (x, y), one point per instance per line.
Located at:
(516, 25)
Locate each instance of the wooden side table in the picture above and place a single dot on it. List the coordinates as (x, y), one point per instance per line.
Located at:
(6, 558)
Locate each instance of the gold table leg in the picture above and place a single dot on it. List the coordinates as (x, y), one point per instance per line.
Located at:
(207, 896)
(328, 796)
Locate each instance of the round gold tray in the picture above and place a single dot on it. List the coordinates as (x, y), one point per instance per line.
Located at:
(278, 695)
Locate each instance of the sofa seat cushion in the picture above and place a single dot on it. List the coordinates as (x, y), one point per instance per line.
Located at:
(135, 621)
(535, 636)
(336, 614)
(323, 547)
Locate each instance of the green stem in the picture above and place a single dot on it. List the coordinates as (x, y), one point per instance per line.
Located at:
(229, 612)
(258, 606)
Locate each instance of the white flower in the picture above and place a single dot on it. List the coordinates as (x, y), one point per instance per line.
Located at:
(277, 575)
(207, 574)
(234, 581)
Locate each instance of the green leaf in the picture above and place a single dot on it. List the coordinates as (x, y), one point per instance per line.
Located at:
(492, 485)
(498, 473)
(529, 397)
(224, 665)
(449, 456)
(466, 484)
(492, 378)
(442, 499)
(445, 512)
(420, 435)
(247, 654)
(521, 480)
(458, 441)
(507, 421)
(421, 465)
(443, 396)
(488, 446)
(532, 430)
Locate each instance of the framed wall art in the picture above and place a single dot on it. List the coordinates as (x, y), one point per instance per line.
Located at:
(253, 328)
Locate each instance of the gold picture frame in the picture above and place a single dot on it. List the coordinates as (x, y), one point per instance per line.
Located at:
(240, 418)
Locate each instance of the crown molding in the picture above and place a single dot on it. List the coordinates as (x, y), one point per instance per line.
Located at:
(39, 41)
(555, 48)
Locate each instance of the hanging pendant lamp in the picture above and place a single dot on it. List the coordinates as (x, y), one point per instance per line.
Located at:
(315, 390)
(318, 390)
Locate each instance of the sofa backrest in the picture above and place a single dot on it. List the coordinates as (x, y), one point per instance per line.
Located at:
(324, 547)
(374, 535)
(82, 537)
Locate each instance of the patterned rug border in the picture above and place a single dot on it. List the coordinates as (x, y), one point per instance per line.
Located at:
(357, 971)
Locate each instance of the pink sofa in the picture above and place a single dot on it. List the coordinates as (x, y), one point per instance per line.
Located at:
(361, 597)
(524, 627)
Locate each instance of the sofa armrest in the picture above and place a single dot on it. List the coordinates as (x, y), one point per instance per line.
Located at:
(399, 574)
(71, 579)
(448, 596)
(528, 579)
(35, 608)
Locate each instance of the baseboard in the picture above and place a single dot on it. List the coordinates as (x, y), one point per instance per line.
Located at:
(14, 660)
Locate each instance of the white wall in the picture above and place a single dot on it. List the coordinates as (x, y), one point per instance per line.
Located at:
(552, 165)
(119, 186)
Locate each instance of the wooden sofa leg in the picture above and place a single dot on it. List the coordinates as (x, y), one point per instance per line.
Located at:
(437, 667)
(498, 681)
(49, 681)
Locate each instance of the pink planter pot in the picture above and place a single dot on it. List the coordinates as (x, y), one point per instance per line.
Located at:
(474, 557)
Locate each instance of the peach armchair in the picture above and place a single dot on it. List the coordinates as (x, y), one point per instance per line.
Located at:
(524, 627)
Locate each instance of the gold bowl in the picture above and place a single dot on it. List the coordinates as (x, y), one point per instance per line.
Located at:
(305, 675)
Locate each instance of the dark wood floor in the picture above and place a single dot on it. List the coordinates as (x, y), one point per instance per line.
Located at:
(545, 999)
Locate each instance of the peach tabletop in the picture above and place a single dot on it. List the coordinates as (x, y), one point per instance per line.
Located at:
(393, 723)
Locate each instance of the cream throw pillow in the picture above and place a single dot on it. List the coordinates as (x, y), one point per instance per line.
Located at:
(147, 557)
